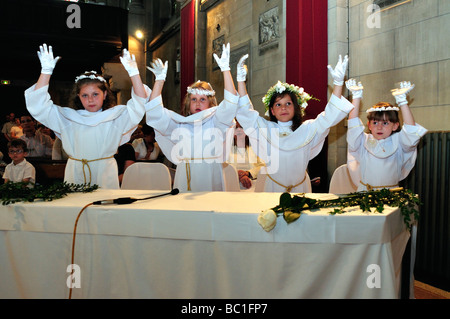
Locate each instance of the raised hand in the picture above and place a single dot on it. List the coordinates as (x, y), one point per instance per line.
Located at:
(48, 62)
(224, 60)
(159, 69)
(400, 93)
(241, 74)
(129, 62)
(338, 73)
(355, 88)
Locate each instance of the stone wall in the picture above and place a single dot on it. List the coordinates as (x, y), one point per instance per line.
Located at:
(238, 22)
(337, 45)
(403, 43)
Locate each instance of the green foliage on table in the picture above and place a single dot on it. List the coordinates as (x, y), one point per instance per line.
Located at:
(25, 192)
(292, 206)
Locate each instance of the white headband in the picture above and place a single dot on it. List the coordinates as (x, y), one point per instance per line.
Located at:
(200, 91)
(382, 108)
(92, 76)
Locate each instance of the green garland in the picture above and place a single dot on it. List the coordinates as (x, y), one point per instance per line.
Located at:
(292, 206)
(24, 192)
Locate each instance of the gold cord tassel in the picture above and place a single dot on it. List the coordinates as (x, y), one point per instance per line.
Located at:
(85, 162)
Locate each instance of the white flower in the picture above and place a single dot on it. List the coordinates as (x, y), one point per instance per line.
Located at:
(92, 76)
(267, 219)
(382, 109)
(200, 91)
(280, 88)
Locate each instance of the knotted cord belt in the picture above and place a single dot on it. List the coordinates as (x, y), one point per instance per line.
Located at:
(371, 187)
(188, 168)
(86, 163)
(290, 187)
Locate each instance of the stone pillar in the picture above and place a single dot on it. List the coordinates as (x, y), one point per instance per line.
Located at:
(136, 21)
(338, 44)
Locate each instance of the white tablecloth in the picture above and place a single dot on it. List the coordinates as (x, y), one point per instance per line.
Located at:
(196, 245)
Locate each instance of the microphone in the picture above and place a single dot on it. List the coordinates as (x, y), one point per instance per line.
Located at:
(172, 192)
(120, 201)
(129, 200)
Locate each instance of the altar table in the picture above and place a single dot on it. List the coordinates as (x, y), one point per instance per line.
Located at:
(197, 245)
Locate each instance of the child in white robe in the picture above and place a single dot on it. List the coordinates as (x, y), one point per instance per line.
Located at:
(195, 142)
(92, 132)
(146, 147)
(386, 156)
(284, 143)
(244, 159)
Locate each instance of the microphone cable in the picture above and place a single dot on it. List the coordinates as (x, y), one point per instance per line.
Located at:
(73, 243)
(120, 201)
(129, 200)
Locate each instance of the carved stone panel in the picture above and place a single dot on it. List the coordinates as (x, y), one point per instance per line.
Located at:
(269, 30)
(217, 46)
(235, 55)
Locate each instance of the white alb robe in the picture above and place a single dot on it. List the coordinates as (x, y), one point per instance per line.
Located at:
(195, 143)
(381, 163)
(140, 148)
(286, 152)
(88, 135)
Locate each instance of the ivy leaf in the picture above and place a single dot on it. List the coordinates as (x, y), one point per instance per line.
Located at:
(337, 211)
(21, 192)
(290, 216)
(380, 208)
(285, 200)
(406, 200)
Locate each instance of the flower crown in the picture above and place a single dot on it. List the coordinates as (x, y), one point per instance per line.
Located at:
(200, 91)
(302, 96)
(92, 76)
(382, 109)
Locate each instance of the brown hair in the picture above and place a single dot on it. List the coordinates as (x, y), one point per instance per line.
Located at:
(18, 143)
(185, 108)
(391, 116)
(297, 119)
(75, 102)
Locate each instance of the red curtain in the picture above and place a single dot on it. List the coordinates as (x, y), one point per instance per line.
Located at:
(306, 66)
(187, 47)
(306, 49)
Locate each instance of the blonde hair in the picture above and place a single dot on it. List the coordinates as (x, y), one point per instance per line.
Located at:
(202, 85)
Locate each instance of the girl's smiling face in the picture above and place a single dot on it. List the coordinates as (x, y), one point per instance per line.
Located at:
(92, 97)
(283, 108)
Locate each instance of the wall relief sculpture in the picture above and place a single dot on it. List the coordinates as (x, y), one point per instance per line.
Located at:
(269, 30)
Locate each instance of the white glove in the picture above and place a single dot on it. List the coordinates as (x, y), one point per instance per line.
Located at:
(129, 62)
(159, 69)
(45, 55)
(224, 61)
(338, 73)
(400, 93)
(241, 74)
(356, 88)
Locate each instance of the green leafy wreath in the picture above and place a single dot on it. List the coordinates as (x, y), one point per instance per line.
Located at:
(292, 206)
(25, 192)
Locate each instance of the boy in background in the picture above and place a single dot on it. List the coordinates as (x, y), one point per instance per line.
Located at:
(19, 170)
